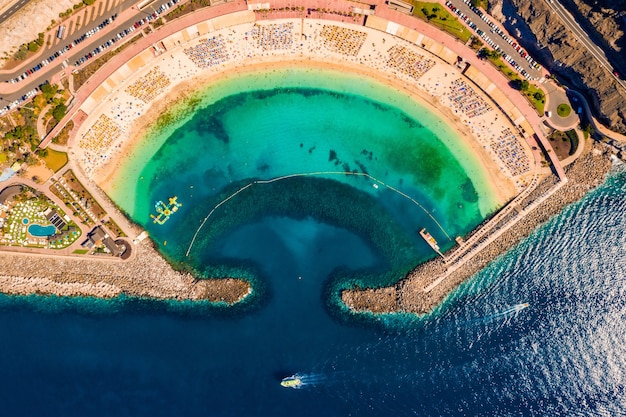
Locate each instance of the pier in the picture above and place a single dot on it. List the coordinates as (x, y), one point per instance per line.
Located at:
(429, 283)
(492, 230)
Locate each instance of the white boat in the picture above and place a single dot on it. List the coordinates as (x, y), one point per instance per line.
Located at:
(293, 381)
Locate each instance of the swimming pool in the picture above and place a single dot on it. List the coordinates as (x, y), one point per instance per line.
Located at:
(41, 231)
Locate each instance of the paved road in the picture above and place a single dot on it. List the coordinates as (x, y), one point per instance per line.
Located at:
(505, 46)
(92, 17)
(569, 22)
(13, 9)
(555, 96)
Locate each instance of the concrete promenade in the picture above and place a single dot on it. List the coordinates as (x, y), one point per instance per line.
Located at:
(489, 233)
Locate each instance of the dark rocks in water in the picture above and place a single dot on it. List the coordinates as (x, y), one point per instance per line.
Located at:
(469, 192)
(368, 154)
(361, 166)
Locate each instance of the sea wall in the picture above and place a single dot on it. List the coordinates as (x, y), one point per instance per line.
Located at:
(408, 294)
(147, 275)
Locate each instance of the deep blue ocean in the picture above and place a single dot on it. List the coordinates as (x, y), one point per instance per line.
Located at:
(477, 354)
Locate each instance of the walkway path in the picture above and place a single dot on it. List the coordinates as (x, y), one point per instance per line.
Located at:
(599, 127)
(41, 128)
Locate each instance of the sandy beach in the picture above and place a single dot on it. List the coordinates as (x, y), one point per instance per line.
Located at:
(185, 78)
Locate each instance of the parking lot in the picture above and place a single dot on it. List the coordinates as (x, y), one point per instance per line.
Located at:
(497, 38)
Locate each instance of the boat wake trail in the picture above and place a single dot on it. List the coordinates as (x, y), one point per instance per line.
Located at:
(313, 379)
(318, 379)
(504, 314)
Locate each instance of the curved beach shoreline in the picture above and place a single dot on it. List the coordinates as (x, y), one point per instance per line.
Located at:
(499, 185)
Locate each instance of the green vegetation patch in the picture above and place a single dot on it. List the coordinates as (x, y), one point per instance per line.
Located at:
(81, 194)
(80, 251)
(187, 7)
(573, 137)
(537, 97)
(563, 110)
(483, 4)
(436, 14)
(54, 160)
(64, 134)
(114, 228)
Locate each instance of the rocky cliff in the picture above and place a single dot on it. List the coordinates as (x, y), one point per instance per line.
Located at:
(604, 20)
(545, 36)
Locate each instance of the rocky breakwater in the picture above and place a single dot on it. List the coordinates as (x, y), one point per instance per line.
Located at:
(148, 275)
(408, 295)
(542, 32)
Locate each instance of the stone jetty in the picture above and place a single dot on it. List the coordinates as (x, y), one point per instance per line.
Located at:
(412, 294)
(148, 275)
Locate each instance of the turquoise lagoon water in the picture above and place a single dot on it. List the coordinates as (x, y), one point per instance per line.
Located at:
(357, 155)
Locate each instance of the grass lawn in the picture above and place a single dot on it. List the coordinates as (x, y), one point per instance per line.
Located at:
(505, 69)
(81, 251)
(436, 14)
(539, 104)
(55, 160)
(563, 110)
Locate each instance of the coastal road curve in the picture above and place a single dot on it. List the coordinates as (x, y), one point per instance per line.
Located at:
(569, 22)
(12, 9)
(599, 127)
